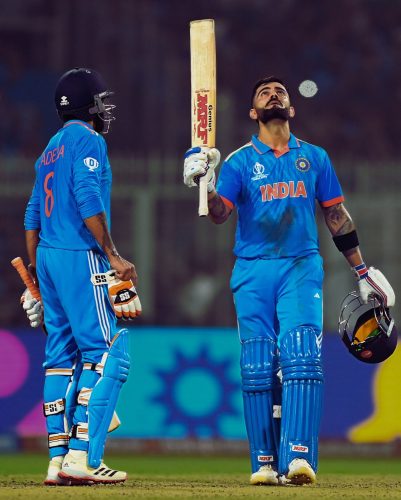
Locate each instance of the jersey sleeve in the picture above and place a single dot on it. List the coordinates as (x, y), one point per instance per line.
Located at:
(32, 211)
(328, 191)
(229, 182)
(86, 175)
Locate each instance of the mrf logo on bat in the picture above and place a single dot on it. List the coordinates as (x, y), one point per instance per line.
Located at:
(203, 112)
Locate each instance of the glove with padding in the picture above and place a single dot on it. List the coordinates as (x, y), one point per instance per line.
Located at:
(373, 282)
(124, 297)
(33, 309)
(199, 162)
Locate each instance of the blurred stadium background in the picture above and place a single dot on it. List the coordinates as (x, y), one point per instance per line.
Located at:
(184, 388)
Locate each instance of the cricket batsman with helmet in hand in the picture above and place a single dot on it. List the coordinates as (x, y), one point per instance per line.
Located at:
(273, 181)
(84, 283)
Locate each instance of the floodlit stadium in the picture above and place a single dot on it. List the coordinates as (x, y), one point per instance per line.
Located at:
(196, 399)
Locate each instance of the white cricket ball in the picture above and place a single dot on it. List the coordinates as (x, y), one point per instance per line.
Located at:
(308, 88)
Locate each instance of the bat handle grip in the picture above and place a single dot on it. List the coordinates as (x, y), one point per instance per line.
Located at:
(203, 209)
(19, 265)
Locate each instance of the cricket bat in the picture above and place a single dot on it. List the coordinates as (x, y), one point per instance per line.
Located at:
(203, 93)
(19, 265)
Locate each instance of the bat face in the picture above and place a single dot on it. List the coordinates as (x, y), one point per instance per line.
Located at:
(203, 94)
(203, 82)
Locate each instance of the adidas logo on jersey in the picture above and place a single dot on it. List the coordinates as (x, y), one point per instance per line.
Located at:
(280, 190)
(64, 101)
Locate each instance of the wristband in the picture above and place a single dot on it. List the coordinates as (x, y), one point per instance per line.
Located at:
(361, 271)
(347, 241)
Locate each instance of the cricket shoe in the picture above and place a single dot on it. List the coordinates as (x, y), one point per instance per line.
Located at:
(266, 475)
(76, 470)
(52, 478)
(299, 473)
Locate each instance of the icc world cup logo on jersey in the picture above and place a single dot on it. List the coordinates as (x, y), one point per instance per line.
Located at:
(302, 164)
(259, 172)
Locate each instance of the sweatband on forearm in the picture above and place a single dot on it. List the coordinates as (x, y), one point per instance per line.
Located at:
(347, 241)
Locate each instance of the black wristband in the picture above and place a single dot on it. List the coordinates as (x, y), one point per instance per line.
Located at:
(347, 241)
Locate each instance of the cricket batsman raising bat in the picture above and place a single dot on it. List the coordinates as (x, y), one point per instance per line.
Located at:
(203, 103)
(273, 181)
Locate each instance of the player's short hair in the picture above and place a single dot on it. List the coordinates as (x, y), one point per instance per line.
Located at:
(263, 81)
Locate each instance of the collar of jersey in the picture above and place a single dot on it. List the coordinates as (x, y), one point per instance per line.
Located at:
(263, 148)
(78, 122)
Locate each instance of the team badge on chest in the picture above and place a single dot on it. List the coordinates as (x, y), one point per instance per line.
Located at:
(302, 164)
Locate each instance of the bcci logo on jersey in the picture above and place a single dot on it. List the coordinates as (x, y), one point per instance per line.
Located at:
(258, 170)
(302, 164)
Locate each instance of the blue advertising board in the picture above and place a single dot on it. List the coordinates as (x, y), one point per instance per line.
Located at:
(184, 383)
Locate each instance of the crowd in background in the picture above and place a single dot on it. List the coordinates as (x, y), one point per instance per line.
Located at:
(350, 48)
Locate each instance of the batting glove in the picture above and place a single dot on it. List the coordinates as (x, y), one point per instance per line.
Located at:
(372, 282)
(124, 298)
(33, 309)
(199, 162)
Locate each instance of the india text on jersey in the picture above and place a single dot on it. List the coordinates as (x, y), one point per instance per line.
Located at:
(280, 190)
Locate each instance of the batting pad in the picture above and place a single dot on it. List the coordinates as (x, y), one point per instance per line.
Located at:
(300, 359)
(104, 396)
(55, 389)
(258, 385)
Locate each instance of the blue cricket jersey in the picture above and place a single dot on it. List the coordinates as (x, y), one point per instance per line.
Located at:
(73, 182)
(275, 197)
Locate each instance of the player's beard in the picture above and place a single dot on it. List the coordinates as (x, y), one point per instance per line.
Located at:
(267, 114)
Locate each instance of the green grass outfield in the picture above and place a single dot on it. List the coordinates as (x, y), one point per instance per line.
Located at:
(162, 477)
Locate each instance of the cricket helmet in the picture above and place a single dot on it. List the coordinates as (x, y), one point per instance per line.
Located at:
(81, 94)
(367, 330)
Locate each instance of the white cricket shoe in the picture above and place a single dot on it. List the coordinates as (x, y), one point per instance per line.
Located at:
(299, 472)
(76, 470)
(52, 478)
(266, 475)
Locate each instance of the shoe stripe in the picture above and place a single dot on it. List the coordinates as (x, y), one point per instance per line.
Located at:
(112, 473)
(98, 471)
(106, 472)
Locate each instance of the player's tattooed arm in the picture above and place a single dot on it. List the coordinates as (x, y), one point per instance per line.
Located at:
(97, 225)
(339, 222)
(218, 211)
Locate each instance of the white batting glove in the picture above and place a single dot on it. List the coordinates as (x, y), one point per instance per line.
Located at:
(199, 162)
(372, 282)
(33, 309)
(124, 297)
